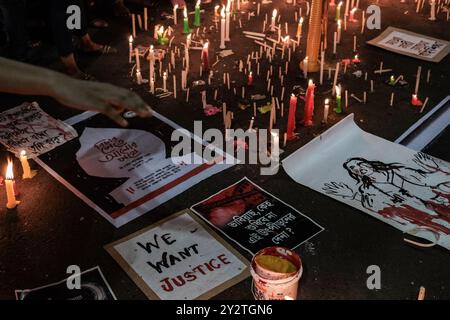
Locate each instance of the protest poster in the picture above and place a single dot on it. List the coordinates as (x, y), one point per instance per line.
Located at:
(93, 286)
(412, 44)
(406, 189)
(28, 128)
(255, 219)
(123, 173)
(178, 258)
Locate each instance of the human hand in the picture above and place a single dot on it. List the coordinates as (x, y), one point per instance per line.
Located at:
(101, 97)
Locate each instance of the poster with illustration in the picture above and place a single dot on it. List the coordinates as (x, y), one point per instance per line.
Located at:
(125, 172)
(93, 286)
(28, 128)
(255, 219)
(402, 187)
(412, 44)
(178, 258)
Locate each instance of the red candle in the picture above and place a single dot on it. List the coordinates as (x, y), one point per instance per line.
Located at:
(415, 101)
(205, 63)
(250, 79)
(291, 117)
(309, 104)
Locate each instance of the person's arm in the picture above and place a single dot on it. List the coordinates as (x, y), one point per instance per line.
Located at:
(21, 78)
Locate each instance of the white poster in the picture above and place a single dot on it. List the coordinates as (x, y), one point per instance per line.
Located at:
(179, 259)
(125, 172)
(404, 188)
(412, 44)
(28, 128)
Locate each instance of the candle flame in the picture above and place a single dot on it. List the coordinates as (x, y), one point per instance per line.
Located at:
(130, 39)
(198, 3)
(175, 7)
(356, 56)
(286, 39)
(300, 21)
(310, 82)
(274, 13)
(9, 171)
(165, 75)
(222, 12)
(338, 91)
(185, 12)
(339, 23)
(161, 30)
(327, 101)
(151, 48)
(340, 4)
(205, 46)
(353, 10)
(250, 74)
(23, 153)
(292, 95)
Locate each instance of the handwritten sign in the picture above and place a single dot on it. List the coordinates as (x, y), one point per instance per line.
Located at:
(27, 127)
(412, 44)
(179, 259)
(255, 219)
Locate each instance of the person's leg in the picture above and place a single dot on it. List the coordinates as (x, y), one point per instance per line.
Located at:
(13, 12)
(62, 35)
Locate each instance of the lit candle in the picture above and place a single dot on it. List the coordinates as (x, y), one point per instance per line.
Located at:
(338, 108)
(326, 109)
(186, 29)
(175, 8)
(352, 15)
(205, 55)
(9, 184)
(338, 11)
(197, 14)
(356, 59)
(250, 79)
(165, 81)
(415, 101)
(392, 81)
(274, 15)
(227, 18)
(222, 28)
(299, 28)
(216, 13)
(130, 43)
(27, 173)
(309, 104)
(162, 40)
(291, 117)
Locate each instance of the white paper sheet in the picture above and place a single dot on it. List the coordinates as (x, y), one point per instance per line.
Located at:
(397, 185)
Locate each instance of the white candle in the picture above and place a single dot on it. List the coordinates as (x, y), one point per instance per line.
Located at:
(339, 31)
(334, 42)
(152, 85)
(275, 150)
(305, 67)
(299, 28)
(250, 127)
(27, 173)
(336, 73)
(432, 10)
(175, 20)
(392, 99)
(274, 15)
(145, 19)
(258, 8)
(138, 61)
(419, 70)
(9, 184)
(227, 25)
(322, 61)
(325, 110)
(222, 29)
(133, 24)
(165, 81)
(130, 43)
(174, 86)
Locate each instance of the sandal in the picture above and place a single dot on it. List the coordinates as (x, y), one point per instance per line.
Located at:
(103, 50)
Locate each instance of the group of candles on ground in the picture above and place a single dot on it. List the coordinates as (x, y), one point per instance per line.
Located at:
(237, 10)
(10, 184)
(270, 41)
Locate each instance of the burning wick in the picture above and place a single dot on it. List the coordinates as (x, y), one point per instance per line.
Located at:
(9, 184)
